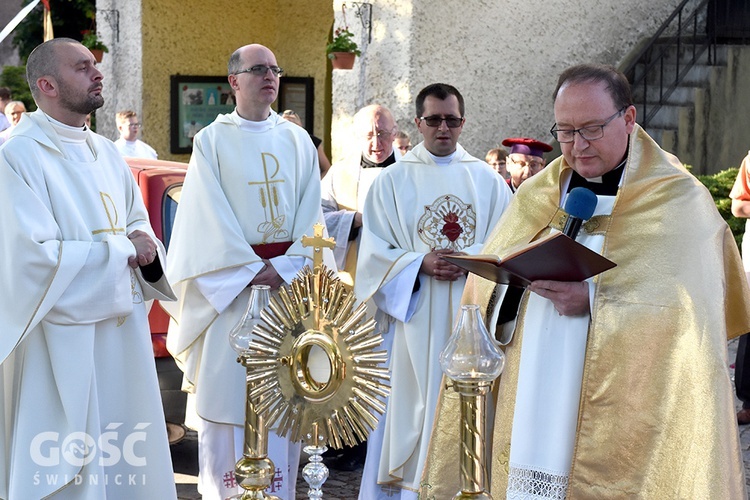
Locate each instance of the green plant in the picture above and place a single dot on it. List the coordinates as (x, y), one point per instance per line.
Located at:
(14, 77)
(343, 41)
(92, 42)
(69, 18)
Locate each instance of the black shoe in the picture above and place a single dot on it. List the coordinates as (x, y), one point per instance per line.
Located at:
(349, 458)
(330, 457)
(345, 463)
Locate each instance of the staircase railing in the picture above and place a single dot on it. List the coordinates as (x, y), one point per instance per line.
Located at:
(686, 31)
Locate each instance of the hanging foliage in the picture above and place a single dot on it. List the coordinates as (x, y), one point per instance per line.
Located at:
(69, 18)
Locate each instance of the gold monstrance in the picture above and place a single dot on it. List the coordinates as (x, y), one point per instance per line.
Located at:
(315, 317)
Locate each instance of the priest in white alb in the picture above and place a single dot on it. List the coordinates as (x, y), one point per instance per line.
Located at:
(81, 414)
(251, 192)
(434, 201)
(345, 187)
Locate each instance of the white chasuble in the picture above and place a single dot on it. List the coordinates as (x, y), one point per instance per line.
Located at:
(414, 207)
(81, 412)
(244, 187)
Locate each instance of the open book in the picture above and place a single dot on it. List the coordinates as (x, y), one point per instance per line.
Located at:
(555, 257)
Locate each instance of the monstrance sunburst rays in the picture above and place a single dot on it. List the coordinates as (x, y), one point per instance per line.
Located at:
(317, 313)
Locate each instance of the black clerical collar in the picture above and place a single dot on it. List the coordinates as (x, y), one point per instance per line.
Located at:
(365, 163)
(606, 185)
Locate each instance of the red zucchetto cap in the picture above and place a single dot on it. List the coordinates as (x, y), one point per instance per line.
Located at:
(527, 146)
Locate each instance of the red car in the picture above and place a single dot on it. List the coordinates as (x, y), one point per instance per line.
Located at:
(161, 184)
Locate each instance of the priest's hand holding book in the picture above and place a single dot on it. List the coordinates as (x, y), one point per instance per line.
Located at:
(434, 265)
(570, 298)
(554, 266)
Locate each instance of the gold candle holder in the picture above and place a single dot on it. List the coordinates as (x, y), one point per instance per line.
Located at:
(473, 396)
(472, 362)
(254, 471)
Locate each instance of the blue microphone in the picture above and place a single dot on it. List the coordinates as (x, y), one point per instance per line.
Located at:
(580, 206)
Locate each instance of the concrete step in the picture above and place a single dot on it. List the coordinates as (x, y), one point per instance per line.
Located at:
(656, 133)
(667, 117)
(679, 96)
(687, 52)
(695, 76)
(668, 69)
(664, 137)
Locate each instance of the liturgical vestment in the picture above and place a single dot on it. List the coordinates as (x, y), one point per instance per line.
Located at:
(343, 191)
(656, 413)
(81, 416)
(248, 184)
(414, 207)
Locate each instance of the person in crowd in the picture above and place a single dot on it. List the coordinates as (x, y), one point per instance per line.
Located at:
(343, 193)
(401, 142)
(128, 144)
(616, 376)
(437, 200)
(497, 158)
(5, 98)
(323, 161)
(345, 187)
(525, 159)
(13, 112)
(82, 415)
(251, 192)
(740, 196)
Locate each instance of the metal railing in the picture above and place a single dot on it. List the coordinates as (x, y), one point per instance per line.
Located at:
(661, 63)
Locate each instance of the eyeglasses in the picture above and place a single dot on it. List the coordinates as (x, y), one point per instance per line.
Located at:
(435, 121)
(261, 70)
(590, 133)
(380, 134)
(404, 148)
(134, 125)
(534, 165)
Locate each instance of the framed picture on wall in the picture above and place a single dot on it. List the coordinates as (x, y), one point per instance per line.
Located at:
(298, 93)
(195, 102)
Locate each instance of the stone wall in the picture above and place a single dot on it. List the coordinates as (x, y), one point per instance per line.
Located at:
(8, 53)
(504, 57)
(726, 108)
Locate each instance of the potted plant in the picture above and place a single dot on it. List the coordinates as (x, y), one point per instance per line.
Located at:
(343, 49)
(95, 45)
